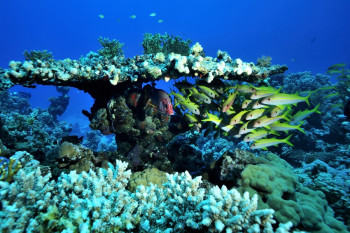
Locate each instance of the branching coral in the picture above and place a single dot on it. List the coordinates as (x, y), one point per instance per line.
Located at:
(8, 168)
(98, 202)
(111, 48)
(158, 43)
(34, 55)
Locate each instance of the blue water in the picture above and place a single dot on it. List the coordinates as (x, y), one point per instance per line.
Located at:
(306, 35)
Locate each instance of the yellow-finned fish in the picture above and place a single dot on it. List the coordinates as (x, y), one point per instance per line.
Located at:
(152, 14)
(265, 121)
(279, 109)
(257, 105)
(301, 115)
(237, 118)
(245, 88)
(192, 107)
(213, 118)
(331, 95)
(266, 142)
(255, 114)
(192, 119)
(264, 93)
(246, 103)
(278, 126)
(228, 103)
(132, 16)
(245, 128)
(200, 96)
(211, 93)
(179, 97)
(101, 16)
(282, 99)
(258, 134)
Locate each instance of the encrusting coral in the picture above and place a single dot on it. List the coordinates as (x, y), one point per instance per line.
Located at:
(98, 202)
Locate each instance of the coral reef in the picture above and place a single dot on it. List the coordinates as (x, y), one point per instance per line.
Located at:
(8, 168)
(98, 202)
(111, 48)
(34, 55)
(165, 44)
(333, 182)
(278, 188)
(23, 128)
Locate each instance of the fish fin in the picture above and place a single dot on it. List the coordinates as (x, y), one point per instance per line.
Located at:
(267, 127)
(307, 99)
(286, 140)
(264, 148)
(300, 129)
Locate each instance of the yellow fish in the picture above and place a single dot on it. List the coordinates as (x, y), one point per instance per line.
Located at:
(133, 16)
(152, 14)
(282, 99)
(266, 142)
(160, 21)
(101, 16)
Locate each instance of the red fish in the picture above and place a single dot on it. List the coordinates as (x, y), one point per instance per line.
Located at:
(162, 100)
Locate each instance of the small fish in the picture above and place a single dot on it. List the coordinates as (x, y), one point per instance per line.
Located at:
(331, 95)
(279, 109)
(293, 59)
(265, 121)
(301, 115)
(282, 99)
(264, 93)
(255, 114)
(257, 105)
(177, 96)
(246, 103)
(202, 97)
(258, 134)
(228, 103)
(132, 16)
(192, 119)
(101, 16)
(183, 84)
(278, 126)
(213, 118)
(337, 105)
(160, 21)
(209, 92)
(237, 118)
(266, 142)
(152, 14)
(245, 128)
(190, 106)
(325, 88)
(245, 88)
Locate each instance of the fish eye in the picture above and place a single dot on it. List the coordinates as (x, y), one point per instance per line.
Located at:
(258, 122)
(251, 115)
(268, 99)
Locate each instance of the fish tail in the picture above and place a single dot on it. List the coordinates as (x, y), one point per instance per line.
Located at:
(284, 115)
(274, 132)
(307, 99)
(286, 140)
(300, 129)
(316, 109)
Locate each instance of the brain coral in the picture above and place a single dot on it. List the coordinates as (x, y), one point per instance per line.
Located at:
(278, 188)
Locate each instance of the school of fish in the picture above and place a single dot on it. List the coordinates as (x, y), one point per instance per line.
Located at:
(256, 114)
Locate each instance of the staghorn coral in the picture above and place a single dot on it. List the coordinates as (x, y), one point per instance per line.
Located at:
(98, 202)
